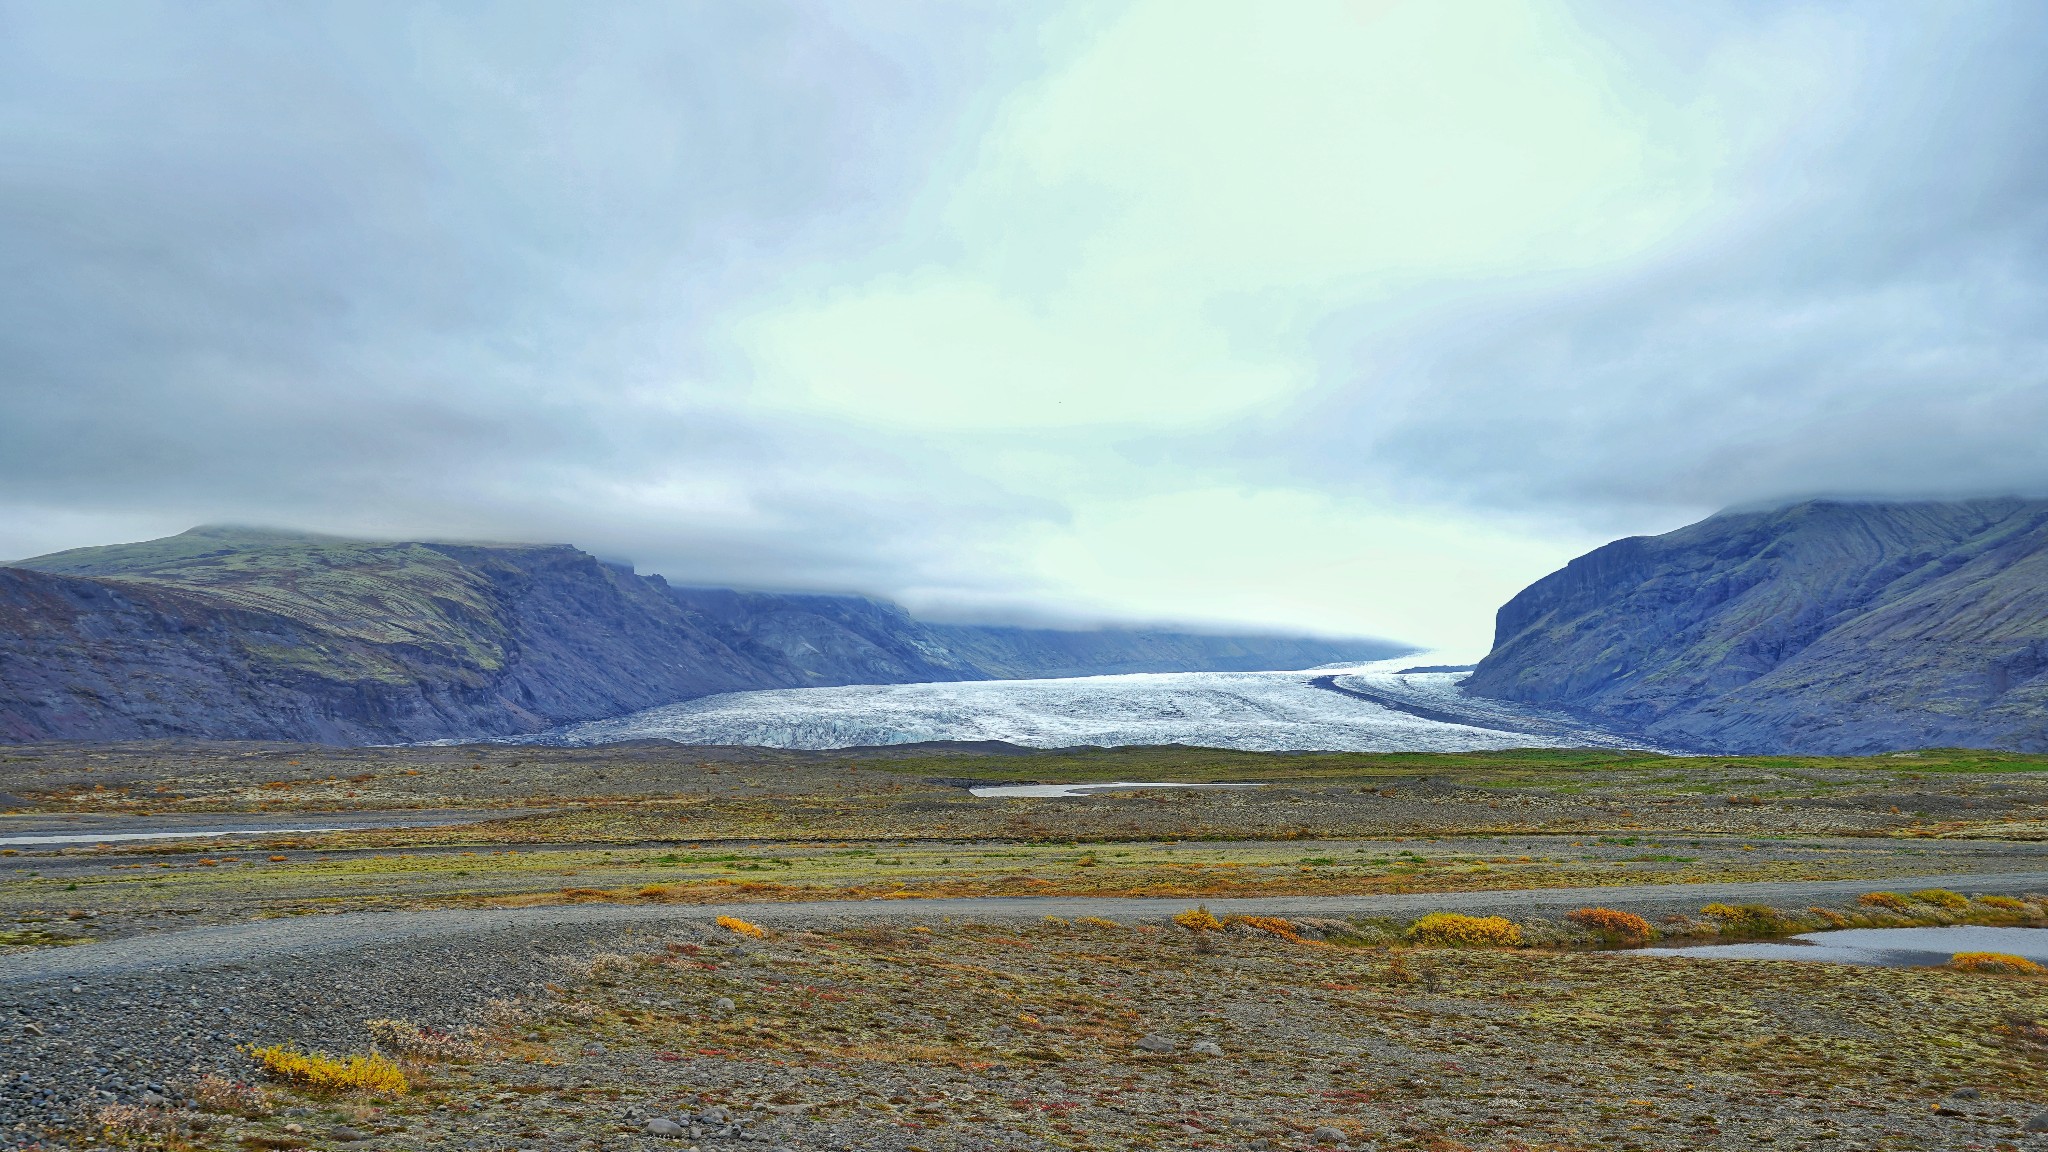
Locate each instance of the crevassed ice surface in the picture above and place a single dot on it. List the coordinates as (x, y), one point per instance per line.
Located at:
(1264, 711)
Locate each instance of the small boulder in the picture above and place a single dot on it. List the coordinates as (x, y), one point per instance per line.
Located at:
(1327, 1135)
(1965, 1094)
(1154, 1042)
(716, 1114)
(346, 1135)
(663, 1126)
(2037, 1124)
(1206, 1048)
(723, 1004)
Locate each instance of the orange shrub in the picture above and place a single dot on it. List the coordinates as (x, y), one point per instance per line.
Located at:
(1890, 900)
(737, 925)
(1995, 963)
(1943, 898)
(2003, 903)
(1198, 920)
(1270, 925)
(1613, 924)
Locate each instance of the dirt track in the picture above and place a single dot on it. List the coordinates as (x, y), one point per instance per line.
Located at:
(295, 938)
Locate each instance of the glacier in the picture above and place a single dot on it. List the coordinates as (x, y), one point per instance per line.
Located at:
(1372, 707)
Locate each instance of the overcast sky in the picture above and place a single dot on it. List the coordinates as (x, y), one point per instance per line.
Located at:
(1349, 317)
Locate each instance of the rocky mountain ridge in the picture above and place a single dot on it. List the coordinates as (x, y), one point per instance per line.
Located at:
(1826, 626)
(238, 633)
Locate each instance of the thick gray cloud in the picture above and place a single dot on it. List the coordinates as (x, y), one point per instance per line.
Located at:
(1864, 312)
(439, 268)
(493, 271)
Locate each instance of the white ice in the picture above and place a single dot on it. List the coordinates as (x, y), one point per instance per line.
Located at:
(1269, 711)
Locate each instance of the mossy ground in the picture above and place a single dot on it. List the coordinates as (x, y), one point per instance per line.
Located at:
(945, 1037)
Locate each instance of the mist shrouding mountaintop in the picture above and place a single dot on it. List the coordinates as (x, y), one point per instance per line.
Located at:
(1825, 626)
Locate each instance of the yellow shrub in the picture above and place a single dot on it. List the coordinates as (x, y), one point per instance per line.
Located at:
(353, 1073)
(1198, 920)
(1098, 922)
(1943, 898)
(737, 925)
(2003, 903)
(1469, 931)
(1995, 963)
(1891, 900)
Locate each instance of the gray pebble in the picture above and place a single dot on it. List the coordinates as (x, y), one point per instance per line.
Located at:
(1154, 1042)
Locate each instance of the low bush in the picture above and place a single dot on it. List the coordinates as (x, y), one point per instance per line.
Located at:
(135, 1126)
(1943, 898)
(1748, 919)
(417, 1043)
(1459, 930)
(2004, 903)
(217, 1093)
(740, 927)
(1890, 901)
(1199, 920)
(1613, 924)
(1996, 964)
(356, 1072)
(1270, 925)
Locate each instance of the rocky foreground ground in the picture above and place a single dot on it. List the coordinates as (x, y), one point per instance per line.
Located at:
(591, 1001)
(864, 1033)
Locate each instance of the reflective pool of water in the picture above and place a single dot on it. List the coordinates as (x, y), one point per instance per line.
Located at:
(1879, 947)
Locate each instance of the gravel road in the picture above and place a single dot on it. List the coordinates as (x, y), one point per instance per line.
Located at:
(300, 937)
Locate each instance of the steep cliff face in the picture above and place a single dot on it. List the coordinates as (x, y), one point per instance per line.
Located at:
(244, 634)
(1825, 627)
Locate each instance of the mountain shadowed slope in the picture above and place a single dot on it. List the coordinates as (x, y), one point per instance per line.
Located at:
(1823, 627)
(239, 633)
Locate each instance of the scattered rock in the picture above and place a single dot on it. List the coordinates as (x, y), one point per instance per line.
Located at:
(1206, 1048)
(716, 1114)
(1965, 1094)
(346, 1135)
(2037, 1124)
(1154, 1042)
(723, 1004)
(1327, 1135)
(663, 1126)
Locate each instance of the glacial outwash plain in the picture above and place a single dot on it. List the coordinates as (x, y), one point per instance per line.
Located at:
(781, 883)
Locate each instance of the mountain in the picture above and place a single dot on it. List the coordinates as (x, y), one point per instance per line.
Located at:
(1825, 626)
(250, 634)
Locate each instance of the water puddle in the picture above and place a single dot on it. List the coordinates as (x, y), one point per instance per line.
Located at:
(45, 832)
(1878, 947)
(1011, 791)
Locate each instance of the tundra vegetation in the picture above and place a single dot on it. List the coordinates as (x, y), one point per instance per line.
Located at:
(1204, 1025)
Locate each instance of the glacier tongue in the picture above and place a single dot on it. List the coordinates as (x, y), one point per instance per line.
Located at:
(1265, 711)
